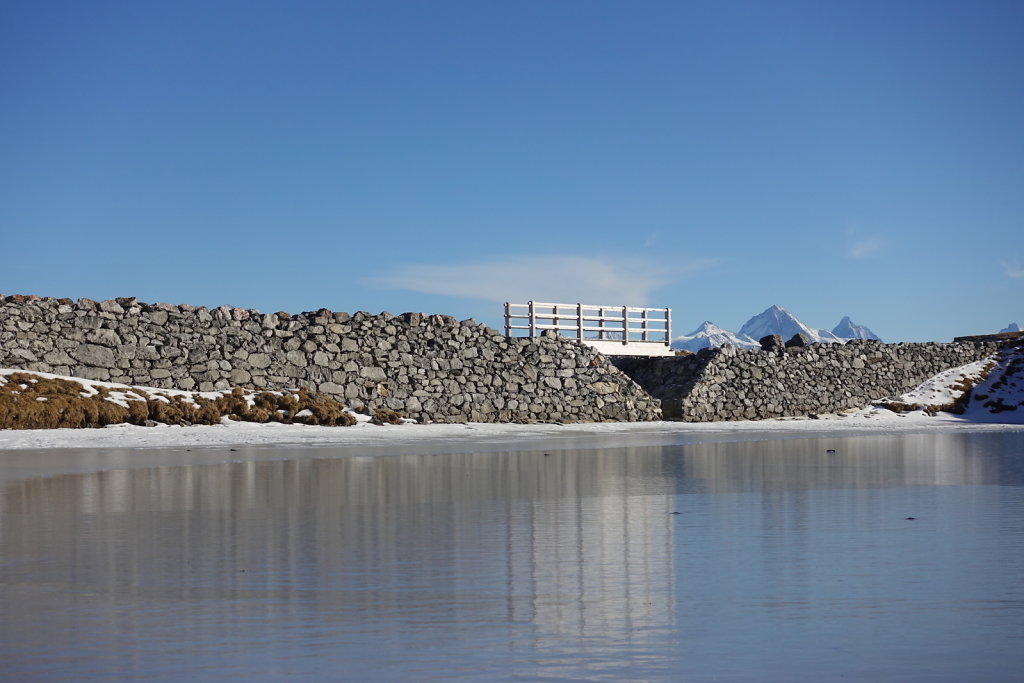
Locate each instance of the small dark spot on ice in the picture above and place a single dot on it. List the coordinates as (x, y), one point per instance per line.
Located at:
(677, 513)
(910, 517)
(831, 450)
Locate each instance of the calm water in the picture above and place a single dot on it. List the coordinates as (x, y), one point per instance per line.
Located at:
(744, 561)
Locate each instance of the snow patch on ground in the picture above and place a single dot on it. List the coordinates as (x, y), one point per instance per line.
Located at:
(996, 392)
(121, 393)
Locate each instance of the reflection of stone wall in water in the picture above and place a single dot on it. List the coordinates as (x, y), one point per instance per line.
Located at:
(430, 368)
(576, 543)
(735, 384)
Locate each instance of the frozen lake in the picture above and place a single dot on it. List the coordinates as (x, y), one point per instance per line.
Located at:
(756, 560)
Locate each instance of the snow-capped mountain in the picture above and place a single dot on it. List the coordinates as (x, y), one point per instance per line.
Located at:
(710, 334)
(847, 329)
(777, 320)
(774, 320)
(1012, 327)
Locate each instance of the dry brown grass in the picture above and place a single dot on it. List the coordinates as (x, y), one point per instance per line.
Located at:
(31, 402)
(384, 416)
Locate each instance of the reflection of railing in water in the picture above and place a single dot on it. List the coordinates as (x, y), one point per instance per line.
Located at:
(578, 542)
(615, 330)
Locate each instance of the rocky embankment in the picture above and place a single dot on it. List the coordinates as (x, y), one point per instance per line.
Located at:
(728, 383)
(430, 368)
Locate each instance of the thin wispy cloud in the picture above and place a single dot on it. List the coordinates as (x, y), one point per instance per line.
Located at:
(1013, 268)
(860, 246)
(554, 278)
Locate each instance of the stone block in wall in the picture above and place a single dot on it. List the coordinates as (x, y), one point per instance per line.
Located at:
(93, 355)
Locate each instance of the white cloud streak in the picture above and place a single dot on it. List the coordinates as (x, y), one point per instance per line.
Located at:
(860, 246)
(1013, 269)
(552, 278)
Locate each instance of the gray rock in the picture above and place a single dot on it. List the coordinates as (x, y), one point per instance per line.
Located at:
(374, 374)
(259, 360)
(97, 356)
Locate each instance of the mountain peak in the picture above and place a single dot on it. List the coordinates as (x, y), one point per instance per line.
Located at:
(847, 329)
(776, 320)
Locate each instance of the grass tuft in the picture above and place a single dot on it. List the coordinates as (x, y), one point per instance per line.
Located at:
(31, 402)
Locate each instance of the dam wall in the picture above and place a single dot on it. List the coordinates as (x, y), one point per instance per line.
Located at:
(729, 383)
(431, 368)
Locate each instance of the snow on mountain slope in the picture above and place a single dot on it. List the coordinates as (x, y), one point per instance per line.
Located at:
(847, 329)
(828, 337)
(710, 335)
(777, 320)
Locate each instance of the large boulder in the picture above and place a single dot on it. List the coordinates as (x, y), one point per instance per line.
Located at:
(798, 340)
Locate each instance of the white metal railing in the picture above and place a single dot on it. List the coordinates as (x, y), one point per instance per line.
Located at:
(593, 324)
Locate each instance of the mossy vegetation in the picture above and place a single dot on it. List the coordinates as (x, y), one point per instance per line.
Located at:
(28, 401)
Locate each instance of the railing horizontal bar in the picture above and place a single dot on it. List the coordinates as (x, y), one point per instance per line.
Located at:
(607, 328)
(637, 321)
(592, 328)
(587, 306)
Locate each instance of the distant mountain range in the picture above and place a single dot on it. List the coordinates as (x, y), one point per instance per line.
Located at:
(1012, 327)
(773, 320)
(710, 334)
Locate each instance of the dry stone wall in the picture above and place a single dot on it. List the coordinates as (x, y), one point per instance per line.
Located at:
(741, 384)
(427, 367)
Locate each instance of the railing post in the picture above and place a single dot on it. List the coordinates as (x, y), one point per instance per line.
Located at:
(668, 327)
(533, 320)
(508, 319)
(579, 321)
(625, 324)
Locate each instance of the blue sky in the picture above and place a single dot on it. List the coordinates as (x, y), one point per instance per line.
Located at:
(861, 158)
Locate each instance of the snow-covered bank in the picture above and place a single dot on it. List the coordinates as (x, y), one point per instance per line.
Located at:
(1003, 387)
(250, 434)
(28, 454)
